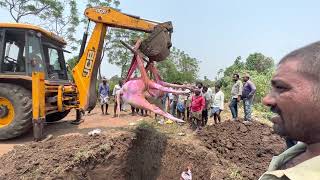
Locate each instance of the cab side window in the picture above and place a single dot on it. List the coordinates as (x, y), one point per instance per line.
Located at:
(13, 60)
(55, 63)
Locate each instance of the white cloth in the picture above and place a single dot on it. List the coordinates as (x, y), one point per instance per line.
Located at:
(171, 96)
(210, 92)
(218, 100)
(182, 98)
(104, 100)
(186, 175)
(115, 89)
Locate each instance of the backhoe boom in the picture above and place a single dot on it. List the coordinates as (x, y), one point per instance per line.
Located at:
(85, 72)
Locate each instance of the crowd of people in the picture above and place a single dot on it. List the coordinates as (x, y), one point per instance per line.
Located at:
(196, 107)
(203, 102)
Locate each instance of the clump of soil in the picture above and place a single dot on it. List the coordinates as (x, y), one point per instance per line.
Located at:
(226, 151)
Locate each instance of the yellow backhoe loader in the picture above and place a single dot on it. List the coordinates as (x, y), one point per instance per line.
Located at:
(34, 85)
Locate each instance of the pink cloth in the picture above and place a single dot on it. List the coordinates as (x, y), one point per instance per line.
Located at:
(197, 103)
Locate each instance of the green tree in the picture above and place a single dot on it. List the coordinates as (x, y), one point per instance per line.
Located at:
(179, 67)
(237, 65)
(60, 17)
(19, 9)
(64, 23)
(258, 62)
(118, 54)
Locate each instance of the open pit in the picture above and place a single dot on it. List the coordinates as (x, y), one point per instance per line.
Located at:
(224, 151)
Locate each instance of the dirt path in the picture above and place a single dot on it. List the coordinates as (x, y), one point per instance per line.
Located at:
(92, 121)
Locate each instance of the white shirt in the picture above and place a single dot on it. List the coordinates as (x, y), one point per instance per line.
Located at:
(218, 100)
(210, 92)
(115, 89)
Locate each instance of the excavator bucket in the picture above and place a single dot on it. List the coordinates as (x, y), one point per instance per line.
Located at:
(157, 45)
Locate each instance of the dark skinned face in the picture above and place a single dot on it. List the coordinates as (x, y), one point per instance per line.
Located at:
(197, 93)
(291, 98)
(235, 78)
(217, 89)
(245, 79)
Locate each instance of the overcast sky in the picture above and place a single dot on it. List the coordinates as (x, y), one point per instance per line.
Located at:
(216, 32)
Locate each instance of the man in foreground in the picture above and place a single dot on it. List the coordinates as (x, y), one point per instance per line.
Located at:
(295, 97)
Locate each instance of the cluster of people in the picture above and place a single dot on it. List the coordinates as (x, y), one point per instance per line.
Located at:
(196, 107)
(104, 97)
(203, 103)
(244, 91)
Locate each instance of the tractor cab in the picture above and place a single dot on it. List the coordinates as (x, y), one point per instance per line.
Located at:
(23, 45)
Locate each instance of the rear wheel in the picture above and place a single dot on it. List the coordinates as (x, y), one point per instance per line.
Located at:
(56, 116)
(15, 110)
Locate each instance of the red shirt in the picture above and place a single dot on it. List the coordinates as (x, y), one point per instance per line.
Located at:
(197, 103)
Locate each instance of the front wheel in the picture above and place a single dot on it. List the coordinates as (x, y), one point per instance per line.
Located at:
(15, 110)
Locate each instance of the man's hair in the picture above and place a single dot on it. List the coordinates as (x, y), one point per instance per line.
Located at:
(205, 88)
(218, 86)
(309, 59)
(237, 75)
(246, 75)
(199, 83)
(309, 62)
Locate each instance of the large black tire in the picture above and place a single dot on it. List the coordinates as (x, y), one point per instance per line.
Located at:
(21, 100)
(56, 116)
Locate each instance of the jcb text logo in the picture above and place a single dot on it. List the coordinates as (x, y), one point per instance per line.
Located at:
(101, 11)
(89, 63)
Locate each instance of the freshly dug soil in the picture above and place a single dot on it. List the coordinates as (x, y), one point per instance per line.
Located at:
(225, 151)
(246, 151)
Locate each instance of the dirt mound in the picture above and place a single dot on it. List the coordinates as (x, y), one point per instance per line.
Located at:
(245, 151)
(228, 151)
(72, 156)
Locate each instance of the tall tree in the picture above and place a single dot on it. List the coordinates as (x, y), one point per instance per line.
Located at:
(58, 16)
(179, 67)
(118, 54)
(19, 9)
(64, 23)
(235, 67)
(259, 62)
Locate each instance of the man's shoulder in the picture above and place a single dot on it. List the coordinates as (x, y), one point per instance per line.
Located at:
(220, 93)
(309, 169)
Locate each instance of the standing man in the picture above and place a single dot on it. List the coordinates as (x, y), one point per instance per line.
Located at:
(207, 98)
(218, 104)
(197, 105)
(295, 97)
(181, 105)
(116, 88)
(104, 95)
(236, 93)
(249, 89)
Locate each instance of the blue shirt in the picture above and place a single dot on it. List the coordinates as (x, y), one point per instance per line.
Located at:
(248, 89)
(103, 89)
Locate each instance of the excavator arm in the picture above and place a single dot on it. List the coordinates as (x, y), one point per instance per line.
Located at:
(85, 72)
